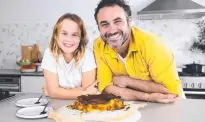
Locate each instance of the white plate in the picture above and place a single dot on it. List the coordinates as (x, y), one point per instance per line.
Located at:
(32, 112)
(30, 102)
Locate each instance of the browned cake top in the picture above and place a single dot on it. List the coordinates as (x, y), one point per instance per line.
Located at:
(96, 99)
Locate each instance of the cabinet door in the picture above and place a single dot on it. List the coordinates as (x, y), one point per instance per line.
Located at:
(32, 84)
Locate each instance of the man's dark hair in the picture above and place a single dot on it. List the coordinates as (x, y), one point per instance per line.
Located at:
(107, 3)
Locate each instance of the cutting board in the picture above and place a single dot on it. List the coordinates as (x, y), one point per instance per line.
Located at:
(64, 114)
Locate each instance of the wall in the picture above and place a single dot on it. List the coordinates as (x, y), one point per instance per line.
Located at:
(28, 22)
(202, 2)
(25, 22)
(179, 35)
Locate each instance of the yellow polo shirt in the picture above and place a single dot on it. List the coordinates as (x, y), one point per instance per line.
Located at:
(148, 58)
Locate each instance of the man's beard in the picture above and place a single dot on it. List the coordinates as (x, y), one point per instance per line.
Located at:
(116, 43)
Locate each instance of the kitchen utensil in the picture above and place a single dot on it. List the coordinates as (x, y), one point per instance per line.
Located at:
(193, 68)
(44, 112)
(37, 102)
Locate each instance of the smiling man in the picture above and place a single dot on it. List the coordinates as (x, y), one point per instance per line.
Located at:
(131, 63)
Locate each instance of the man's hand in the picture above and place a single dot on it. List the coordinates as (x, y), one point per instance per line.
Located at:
(125, 81)
(120, 80)
(162, 98)
(92, 89)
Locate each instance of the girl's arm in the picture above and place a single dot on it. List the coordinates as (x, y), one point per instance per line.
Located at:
(57, 92)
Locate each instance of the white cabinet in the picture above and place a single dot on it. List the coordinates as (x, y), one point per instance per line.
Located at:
(32, 84)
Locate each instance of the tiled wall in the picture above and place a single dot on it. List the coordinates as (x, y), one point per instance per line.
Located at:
(178, 34)
(13, 35)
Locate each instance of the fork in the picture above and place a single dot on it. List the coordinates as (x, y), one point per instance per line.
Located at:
(37, 102)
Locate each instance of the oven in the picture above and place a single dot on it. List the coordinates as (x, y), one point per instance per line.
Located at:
(10, 83)
(193, 86)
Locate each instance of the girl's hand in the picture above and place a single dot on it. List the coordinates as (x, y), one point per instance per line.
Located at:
(92, 89)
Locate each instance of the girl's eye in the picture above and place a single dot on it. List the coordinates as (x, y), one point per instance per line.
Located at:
(65, 34)
(75, 35)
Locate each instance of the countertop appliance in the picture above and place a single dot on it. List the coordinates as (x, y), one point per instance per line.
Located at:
(11, 83)
(193, 85)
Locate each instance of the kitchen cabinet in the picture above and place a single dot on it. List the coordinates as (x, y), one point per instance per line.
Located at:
(32, 84)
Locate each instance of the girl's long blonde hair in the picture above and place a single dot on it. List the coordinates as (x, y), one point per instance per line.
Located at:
(79, 52)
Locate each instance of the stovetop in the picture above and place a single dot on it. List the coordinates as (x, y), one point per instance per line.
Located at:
(191, 74)
(5, 95)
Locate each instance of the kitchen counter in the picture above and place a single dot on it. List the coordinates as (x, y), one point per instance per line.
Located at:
(18, 73)
(184, 110)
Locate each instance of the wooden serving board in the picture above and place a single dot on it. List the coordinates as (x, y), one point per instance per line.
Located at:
(64, 114)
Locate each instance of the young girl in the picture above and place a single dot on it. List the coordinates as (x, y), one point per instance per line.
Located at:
(69, 67)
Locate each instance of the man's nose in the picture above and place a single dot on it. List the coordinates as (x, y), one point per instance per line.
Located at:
(112, 28)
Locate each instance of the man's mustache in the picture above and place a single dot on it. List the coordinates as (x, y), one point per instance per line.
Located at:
(111, 34)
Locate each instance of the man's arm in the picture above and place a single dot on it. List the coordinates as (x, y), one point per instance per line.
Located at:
(131, 95)
(140, 85)
(126, 93)
(104, 74)
(162, 68)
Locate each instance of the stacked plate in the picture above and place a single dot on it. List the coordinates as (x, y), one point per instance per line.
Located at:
(31, 109)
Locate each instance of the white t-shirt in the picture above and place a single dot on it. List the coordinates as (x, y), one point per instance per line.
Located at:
(69, 76)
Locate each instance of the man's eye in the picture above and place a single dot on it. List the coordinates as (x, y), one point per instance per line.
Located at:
(118, 22)
(105, 25)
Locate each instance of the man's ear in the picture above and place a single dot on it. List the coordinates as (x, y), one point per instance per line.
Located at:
(98, 27)
(129, 21)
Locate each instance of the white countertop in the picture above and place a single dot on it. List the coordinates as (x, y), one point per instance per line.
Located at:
(186, 110)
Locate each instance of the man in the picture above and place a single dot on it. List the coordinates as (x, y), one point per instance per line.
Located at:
(131, 63)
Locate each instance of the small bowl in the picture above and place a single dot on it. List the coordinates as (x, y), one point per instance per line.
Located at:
(23, 63)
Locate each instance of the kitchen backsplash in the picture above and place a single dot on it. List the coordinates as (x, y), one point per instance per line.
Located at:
(12, 36)
(178, 34)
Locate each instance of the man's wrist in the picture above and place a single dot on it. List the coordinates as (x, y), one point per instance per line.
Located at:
(130, 82)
